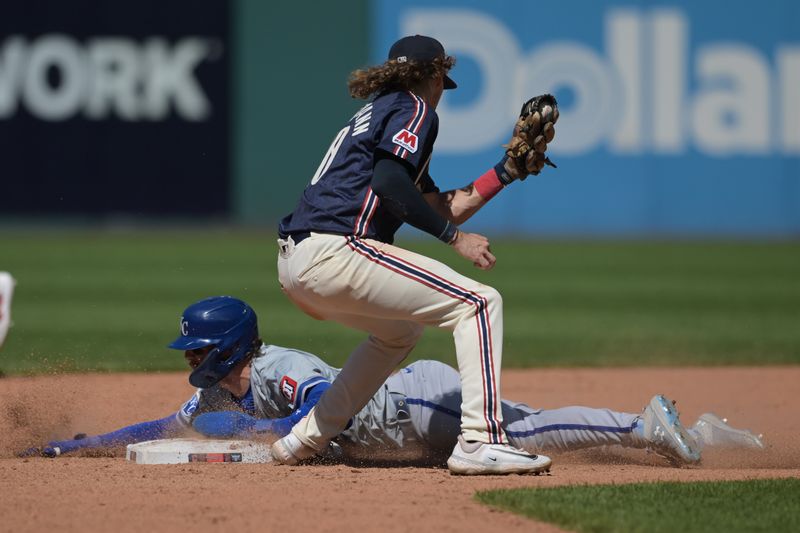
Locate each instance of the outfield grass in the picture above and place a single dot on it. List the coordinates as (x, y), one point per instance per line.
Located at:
(739, 506)
(111, 301)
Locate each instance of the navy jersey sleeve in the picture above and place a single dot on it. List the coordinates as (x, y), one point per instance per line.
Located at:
(410, 132)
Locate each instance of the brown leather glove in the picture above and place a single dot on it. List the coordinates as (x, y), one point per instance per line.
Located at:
(534, 130)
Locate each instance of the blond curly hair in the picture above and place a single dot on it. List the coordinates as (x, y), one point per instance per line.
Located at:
(396, 75)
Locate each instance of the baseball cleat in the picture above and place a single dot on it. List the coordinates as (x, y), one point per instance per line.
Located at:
(480, 458)
(666, 434)
(714, 431)
(290, 450)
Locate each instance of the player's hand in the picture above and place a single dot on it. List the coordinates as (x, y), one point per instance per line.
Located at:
(475, 248)
(30, 452)
(57, 447)
(41, 451)
(224, 424)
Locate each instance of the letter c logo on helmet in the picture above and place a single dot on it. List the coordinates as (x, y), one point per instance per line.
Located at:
(184, 327)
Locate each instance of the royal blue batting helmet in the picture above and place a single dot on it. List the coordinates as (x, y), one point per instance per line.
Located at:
(226, 323)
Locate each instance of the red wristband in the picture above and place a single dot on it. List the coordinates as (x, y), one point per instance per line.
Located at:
(488, 185)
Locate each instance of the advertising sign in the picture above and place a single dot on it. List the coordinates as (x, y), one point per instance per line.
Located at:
(681, 118)
(114, 108)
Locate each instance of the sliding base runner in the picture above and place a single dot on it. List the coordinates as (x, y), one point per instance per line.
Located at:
(178, 451)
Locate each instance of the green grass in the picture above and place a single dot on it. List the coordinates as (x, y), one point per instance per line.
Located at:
(740, 506)
(111, 300)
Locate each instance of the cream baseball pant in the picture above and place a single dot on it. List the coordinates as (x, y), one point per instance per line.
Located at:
(392, 294)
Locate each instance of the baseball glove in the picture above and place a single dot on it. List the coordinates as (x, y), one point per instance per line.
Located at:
(534, 130)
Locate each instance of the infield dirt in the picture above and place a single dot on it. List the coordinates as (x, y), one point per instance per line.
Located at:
(105, 493)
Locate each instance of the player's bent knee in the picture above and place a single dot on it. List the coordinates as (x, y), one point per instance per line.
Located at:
(494, 300)
(488, 299)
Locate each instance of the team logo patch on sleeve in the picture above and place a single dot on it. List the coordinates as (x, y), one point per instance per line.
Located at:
(288, 388)
(406, 139)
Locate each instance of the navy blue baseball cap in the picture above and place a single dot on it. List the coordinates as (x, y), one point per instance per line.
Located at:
(420, 48)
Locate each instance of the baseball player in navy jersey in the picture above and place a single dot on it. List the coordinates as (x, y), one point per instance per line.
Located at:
(248, 389)
(337, 262)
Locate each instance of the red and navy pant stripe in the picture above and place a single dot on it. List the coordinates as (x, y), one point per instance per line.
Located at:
(490, 397)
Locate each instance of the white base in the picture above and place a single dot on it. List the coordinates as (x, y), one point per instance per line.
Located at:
(178, 451)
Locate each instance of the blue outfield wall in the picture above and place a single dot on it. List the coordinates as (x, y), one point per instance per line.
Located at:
(678, 119)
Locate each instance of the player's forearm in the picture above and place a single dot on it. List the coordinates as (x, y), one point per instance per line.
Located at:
(393, 185)
(459, 205)
(229, 424)
(531, 135)
(155, 429)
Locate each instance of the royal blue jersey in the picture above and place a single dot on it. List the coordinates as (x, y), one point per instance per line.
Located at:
(339, 199)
